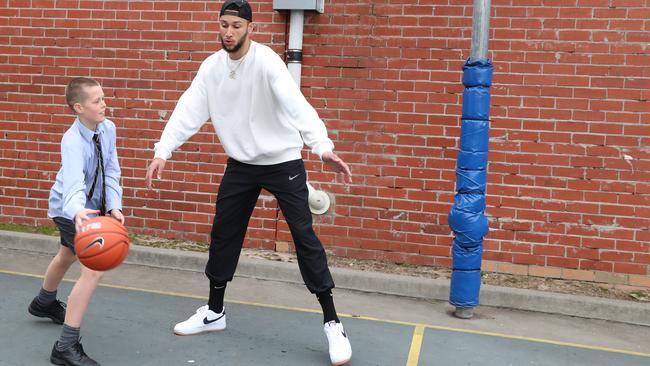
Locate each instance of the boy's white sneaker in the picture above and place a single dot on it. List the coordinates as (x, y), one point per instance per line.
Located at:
(339, 344)
(204, 320)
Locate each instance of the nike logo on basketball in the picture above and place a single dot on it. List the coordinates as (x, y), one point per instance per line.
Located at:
(206, 321)
(98, 240)
(294, 177)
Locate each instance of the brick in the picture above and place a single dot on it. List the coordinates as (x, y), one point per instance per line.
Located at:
(566, 263)
(631, 268)
(613, 278)
(391, 97)
(579, 275)
(548, 272)
(513, 268)
(640, 281)
(282, 246)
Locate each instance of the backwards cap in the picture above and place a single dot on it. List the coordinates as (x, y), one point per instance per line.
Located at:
(238, 8)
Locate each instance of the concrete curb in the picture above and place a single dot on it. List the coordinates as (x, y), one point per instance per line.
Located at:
(417, 287)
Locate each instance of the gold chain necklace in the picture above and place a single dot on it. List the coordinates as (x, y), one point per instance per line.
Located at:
(233, 72)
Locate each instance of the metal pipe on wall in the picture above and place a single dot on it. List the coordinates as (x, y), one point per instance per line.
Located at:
(480, 30)
(319, 201)
(294, 53)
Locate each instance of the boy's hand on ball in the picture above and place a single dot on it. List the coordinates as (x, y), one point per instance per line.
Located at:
(82, 216)
(117, 215)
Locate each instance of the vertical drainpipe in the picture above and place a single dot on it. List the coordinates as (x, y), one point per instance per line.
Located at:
(294, 53)
(319, 201)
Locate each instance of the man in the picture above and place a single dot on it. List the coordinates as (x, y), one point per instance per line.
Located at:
(262, 121)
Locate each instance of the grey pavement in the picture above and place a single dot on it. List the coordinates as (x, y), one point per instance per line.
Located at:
(140, 301)
(373, 282)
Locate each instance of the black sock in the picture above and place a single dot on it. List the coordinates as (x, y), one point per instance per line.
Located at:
(327, 303)
(215, 301)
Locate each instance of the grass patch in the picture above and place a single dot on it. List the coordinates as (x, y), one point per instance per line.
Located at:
(46, 230)
(640, 295)
(152, 241)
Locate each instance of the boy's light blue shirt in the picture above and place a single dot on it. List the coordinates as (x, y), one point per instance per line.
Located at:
(78, 165)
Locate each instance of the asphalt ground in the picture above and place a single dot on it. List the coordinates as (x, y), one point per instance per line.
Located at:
(131, 317)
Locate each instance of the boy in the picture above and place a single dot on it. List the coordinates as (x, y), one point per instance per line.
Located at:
(87, 184)
(262, 120)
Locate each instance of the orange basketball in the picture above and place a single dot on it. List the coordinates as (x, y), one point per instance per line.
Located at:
(102, 243)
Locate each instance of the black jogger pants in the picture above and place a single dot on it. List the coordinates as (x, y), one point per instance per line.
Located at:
(238, 193)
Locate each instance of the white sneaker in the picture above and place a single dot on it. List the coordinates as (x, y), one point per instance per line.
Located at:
(340, 349)
(204, 320)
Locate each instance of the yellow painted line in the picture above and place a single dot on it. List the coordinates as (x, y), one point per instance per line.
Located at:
(416, 345)
(21, 274)
(424, 326)
(539, 340)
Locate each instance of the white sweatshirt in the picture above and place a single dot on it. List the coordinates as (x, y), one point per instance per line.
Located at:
(261, 117)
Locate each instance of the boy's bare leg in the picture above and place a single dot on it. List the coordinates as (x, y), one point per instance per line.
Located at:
(45, 304)
(80, 296)
(57, 268)
(67, 350)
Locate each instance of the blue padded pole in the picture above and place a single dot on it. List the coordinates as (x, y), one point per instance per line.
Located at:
(467, 217)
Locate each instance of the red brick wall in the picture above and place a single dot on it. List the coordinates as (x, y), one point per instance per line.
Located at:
(569, 173)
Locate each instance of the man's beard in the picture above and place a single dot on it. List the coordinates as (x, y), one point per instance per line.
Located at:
(237, 46)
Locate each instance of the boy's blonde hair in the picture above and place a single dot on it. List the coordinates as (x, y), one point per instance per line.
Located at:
(74, 92)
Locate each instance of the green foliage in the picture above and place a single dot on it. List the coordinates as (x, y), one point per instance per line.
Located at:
(640, 296)
(46, 230)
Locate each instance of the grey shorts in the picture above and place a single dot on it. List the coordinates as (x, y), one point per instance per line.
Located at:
(67, 230)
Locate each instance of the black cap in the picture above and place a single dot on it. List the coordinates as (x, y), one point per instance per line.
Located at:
(238, 8)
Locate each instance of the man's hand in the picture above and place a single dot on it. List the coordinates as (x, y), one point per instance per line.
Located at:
(82, 216)
(338, 165)
(155, 168)
(117, 215)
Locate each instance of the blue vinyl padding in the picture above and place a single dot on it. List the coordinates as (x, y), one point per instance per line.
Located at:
(467, 217)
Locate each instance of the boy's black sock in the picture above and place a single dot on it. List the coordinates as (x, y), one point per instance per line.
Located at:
(45, 297)
(69, 336)
(217, 292)
(326, 301)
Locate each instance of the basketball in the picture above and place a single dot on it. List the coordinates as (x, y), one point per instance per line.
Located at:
(102, 243)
